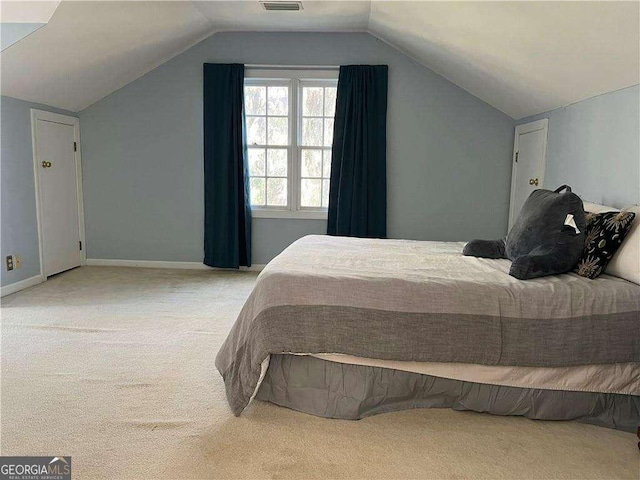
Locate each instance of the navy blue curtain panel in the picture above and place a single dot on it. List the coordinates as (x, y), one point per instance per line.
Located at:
(358, 187)
(227, 211)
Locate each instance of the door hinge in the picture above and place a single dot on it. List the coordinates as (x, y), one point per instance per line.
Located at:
(75, 147)
(80, 242)
(517, 156)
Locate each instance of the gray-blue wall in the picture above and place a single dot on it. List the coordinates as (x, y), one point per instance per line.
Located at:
(449, 153)
(19, 232)
(594, 146)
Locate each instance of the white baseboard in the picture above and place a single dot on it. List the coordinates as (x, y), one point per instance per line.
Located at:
(109, 262)
(21, 285)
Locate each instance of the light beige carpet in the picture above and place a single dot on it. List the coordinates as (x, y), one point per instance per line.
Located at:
(114, 366)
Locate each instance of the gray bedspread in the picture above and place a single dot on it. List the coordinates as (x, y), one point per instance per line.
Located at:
(423, 301)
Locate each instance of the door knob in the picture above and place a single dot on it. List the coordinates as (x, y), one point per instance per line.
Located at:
(532, 181)
(46, 164)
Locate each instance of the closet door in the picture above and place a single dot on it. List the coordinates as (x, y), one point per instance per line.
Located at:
(530, 146)
(58, 198)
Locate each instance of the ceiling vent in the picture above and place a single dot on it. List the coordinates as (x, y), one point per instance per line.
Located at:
(282, 6)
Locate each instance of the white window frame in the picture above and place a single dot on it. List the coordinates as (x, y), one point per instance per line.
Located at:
(294, 78)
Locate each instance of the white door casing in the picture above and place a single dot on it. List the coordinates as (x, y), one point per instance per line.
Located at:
(529, 152)
(58, 182)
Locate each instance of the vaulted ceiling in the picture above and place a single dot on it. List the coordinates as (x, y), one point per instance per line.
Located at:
(521, 57)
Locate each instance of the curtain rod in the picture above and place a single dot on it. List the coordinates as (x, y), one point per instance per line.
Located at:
(294, 67)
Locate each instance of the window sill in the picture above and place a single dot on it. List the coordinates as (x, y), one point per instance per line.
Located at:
(293, 214)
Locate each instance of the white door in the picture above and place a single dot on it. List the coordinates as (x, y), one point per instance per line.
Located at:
(57, 180)
(530, 146)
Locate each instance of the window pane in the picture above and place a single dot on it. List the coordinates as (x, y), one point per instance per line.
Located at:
(328, 132)
(311, 163)
(256, 162)
(312, 132)
(325, 193)
(312, 100)
(277, 162)
(311, 193)
(326, 163)
(278, 130)
(255, 100)
(278, 101)
(277, 191)
(257, 191)
(256, 131)
(330, 101)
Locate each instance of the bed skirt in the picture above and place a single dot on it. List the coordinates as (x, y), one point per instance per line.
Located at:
(336, 390)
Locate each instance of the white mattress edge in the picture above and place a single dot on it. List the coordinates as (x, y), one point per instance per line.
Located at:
(621, 378)
(264, 366)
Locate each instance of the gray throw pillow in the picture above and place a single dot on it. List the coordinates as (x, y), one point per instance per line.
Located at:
(543, 240)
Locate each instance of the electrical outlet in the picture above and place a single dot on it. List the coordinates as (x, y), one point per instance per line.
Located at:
(9, 263)
(17, 261)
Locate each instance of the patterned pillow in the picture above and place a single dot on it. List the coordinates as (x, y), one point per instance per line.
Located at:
(605, 232)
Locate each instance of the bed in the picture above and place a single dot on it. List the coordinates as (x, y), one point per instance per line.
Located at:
(345, 328)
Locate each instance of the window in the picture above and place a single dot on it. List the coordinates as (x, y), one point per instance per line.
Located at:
(289, 118)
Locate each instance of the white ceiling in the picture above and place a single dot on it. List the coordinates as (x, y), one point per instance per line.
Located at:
(90, 49)
(316, 16)
(27, 12)
(521, 57)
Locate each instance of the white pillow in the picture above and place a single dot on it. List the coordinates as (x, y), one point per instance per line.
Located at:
(626, 261)
(595, 208)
